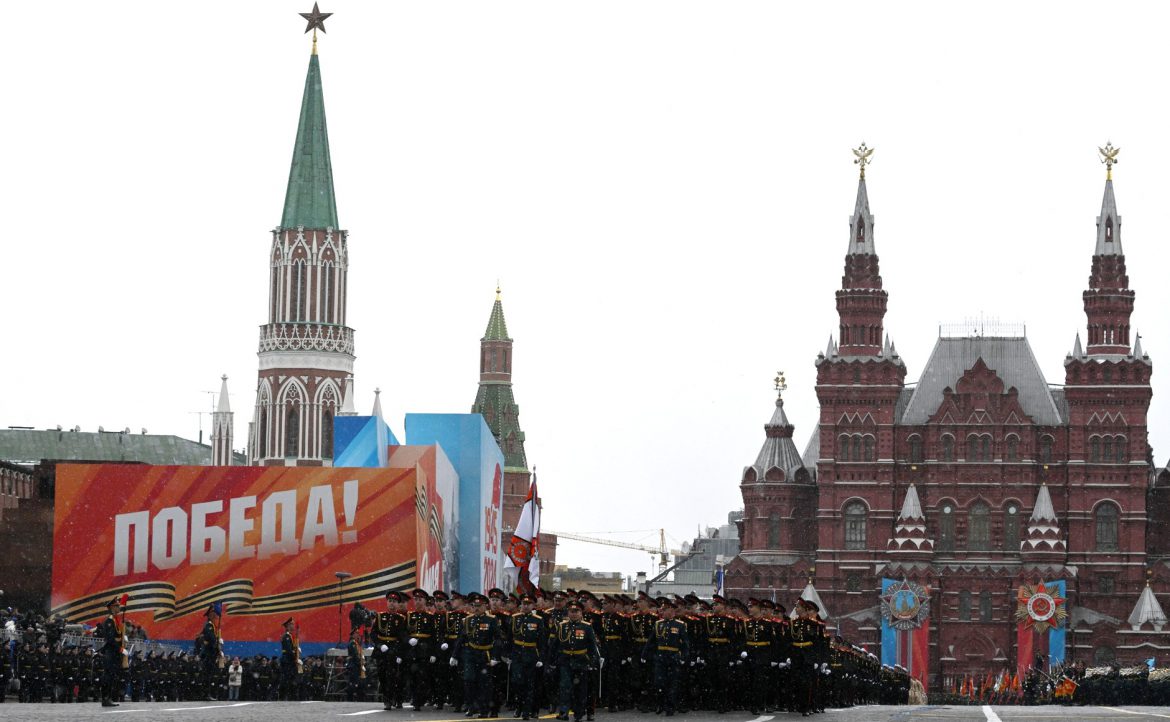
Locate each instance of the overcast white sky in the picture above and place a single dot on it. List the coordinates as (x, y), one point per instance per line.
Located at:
(662, 189)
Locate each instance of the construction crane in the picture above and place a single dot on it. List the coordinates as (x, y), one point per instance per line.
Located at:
(661, 550)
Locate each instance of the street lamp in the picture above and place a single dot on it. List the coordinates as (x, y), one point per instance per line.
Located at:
(341, 577)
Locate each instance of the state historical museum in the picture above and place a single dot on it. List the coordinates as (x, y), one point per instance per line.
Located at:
(982, 517)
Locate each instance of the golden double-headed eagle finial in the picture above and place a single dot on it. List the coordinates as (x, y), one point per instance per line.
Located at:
(1109, 158)
(781, 385)
(863, 153)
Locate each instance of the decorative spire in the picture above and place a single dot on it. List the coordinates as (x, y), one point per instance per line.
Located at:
(309, 201)
(1147, 610)
(347, 406)
(1137, 347)
(377, 412)
(778, 460)
(1109, 222)
(1077, 351)
(224, 406)
(910, 528)
(497, 329)
(1108, 300)
(861, 222)
(316, 20)
(1043, 531)
(809, 593)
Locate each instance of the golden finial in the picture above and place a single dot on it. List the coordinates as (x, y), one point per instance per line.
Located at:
(1109, 158)
(863, 153)
(780, 384)
(497, 289)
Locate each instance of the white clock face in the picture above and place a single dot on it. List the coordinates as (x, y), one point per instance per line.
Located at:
(947, 509)
(1012, 509)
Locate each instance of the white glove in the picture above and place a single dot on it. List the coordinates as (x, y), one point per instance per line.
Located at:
(539, 664)
(493, 663)
(413, 642)
(384, 649)
(443, 646)
(692, 664)
(125, 653)
(624, 661)
(398, 660)
(824, 665)
(827, 671)
(788, 661)
(698, 660)
(432, 659)
(731, 664)
(743, 655)
(815, 667)
(453, 662)
(775, 664)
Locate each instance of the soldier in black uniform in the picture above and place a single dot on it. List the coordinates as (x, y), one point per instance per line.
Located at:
(721, 651)
(642, 674)
(614, 642)
(669, 648)
(453, 624)
(290, 655)
(113, 634)
(211, 651)
(497, 602)
(529, 637)
(575, 648)
(355, 666)
(389, 638)
(420, 628)
(478, 651)
(807, 635)
(760, 651)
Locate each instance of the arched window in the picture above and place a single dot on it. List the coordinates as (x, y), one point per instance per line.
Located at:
(948, 448)
(857, 375)
(1045, 449)
(979, 527)
(985, 606)
(327, 433)
(262, 434)
(1095, 449)
(857, 448)
(855, 513)
(946, 528)
(1119, 446)
(774, 530)
(915, 449)
(1011, 528)
(292, 431)
(985, 443)
(843, 451)
(964, 605)
(1106, 518)
(972, 448)
(869, 450)
(1012, 452)
(1107, 449)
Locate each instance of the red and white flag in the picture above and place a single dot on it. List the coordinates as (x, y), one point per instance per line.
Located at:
(524, 549)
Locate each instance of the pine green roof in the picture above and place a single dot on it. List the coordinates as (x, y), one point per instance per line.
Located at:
(309, 201)
(497, 330)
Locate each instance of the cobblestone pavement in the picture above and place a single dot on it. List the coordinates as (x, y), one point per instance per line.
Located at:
(341, 711)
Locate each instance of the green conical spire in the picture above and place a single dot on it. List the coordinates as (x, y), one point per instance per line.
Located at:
(497, 330)
(309, 201)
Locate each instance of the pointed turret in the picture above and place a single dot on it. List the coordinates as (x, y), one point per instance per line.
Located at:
(778, 459)
(1147, 611)
(1108, 300)
(309, 201)
(1137, 348)
(809, 593)
(861, 302)
(347, 405)
(1078, 351)
(377, 411)
(222, 428)
(1043, 528)
(910, 528)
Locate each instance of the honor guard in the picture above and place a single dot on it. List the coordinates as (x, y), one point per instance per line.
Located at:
(447, 626)
(112, 632)
(760, 653)
(388, 635)
(290, 660)
(211, 649)
(669, 648)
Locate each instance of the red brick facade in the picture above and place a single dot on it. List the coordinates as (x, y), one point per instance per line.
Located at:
(977, 437)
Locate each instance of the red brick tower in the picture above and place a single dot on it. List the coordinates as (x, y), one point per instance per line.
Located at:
(306, 349)
(1108, 391)
(858, 385)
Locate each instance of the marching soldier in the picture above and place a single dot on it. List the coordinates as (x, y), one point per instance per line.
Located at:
(420, 626)
(641, 629)
(478, 651)
(446, 633)
(112, 632)
(669, 647)
(807, 636)
(615, 638)
(389, 638)
(498, 601)
(721, 646)
(760, 651)
(528, 637)
(575, 647)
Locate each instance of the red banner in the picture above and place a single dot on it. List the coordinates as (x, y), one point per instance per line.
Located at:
(265, 541)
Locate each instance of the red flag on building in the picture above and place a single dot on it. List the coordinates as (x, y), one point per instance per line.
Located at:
(525, 545)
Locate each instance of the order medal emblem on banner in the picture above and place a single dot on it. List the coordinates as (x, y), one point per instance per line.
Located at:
(905, 605)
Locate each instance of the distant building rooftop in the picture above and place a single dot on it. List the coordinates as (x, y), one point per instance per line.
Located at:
(30, 446)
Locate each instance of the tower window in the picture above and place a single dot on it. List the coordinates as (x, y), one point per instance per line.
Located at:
(946, 529)
(1045, 449)
(948, 448)
(916, 449)
(979, 527)
(985, 606)
(1011, 529)
(964, 605)
(1106, 518)
(774, 531)
(1095, 449)
(869, 449)
(855, 522)
(292, 431)
(327, 433)
(1012, 452)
